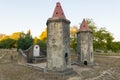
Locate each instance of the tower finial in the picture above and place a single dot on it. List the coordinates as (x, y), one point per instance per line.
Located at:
(58, 12)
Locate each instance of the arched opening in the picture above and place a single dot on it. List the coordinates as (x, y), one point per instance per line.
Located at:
(85, 63)
(66, 58)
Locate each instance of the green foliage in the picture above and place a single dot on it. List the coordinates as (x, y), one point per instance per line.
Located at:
(7, 43)
(42, 44)
(115, 46)
(102, 38)
(25, 41)
(73, 44)
(91, 25)
(73, 38)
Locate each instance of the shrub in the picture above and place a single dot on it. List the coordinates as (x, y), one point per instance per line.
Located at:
(7, 43)
(25, 41)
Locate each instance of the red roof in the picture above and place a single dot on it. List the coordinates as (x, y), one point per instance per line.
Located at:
(58, 12)
(84, 26)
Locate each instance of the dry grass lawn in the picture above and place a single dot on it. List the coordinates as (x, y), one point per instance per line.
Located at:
(106, 68)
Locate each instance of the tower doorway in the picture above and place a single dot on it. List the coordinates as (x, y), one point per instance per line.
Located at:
(66, 58)
(85, 63)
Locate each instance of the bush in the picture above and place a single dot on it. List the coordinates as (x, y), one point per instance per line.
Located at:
(7, 43)
(25, 41)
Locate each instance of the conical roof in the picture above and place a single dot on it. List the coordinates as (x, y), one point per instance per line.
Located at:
(58, 12)
(84, 26)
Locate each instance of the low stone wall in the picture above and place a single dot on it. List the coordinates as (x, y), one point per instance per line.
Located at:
(29, 54)
(22, 57)
(7, 55)
(8, 51)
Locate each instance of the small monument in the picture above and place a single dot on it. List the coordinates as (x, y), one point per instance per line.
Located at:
(85, 45)
(58, 41)
(31, 55)
(36, 51)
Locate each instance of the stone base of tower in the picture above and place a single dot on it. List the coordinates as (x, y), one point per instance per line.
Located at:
(66, 72)
(84, 63)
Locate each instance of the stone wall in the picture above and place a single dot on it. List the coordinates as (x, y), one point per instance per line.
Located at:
(8, 55)
(22, 57)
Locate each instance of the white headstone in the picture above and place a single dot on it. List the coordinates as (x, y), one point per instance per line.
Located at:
(36, 51)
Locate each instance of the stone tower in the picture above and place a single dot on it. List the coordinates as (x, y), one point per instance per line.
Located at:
(85, 45)
(58, 41)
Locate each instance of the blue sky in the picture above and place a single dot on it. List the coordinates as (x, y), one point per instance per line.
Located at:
(21, 15)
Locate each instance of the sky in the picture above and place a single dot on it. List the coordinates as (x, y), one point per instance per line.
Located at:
(22, 15)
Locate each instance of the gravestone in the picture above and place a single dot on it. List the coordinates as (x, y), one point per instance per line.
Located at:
(36, 51)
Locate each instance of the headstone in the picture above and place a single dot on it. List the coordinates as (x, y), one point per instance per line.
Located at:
(36, 51)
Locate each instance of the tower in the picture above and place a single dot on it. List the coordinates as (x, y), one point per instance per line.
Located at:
(58, 41)
(85, 44)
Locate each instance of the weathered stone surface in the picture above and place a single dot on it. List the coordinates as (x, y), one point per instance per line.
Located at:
(31, 54)
(85, 45)
(36, 51)
(58, 43)
(22, 58)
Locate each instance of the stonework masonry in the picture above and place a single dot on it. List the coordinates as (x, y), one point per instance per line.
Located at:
(58, 41)
(58, 45)
(27, 56)
(85, 45)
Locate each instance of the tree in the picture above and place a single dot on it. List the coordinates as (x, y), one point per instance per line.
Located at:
(29, 32)
(91, 25)
(115, 46)
(102, 38)
(42, 44)
(43, 35)
(5, 37)
(15, 35)
(73, 37)
(25, 41)
(7, 43)
(1, 36)
(35, 40)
